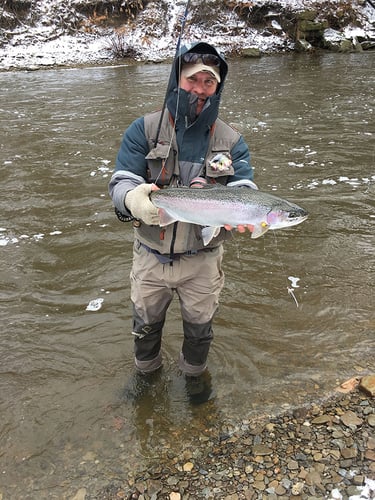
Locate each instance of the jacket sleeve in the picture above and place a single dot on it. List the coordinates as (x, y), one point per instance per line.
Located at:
(243, 171)
(131, 165)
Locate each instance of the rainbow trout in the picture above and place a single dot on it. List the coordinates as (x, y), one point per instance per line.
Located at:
(214, 207)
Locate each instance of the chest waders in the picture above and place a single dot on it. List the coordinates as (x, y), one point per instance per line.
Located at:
(196, 276)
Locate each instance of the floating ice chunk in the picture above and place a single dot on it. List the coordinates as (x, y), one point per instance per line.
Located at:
(95, 304)
(293, 281)
(329, 181)
(53, 233)
(103, 169)
(4, 240)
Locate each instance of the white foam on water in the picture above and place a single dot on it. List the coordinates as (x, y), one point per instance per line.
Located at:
(95, 304)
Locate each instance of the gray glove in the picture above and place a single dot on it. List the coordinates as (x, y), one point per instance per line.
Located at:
(137, 201)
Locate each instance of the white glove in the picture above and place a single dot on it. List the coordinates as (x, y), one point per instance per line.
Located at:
(137, 201)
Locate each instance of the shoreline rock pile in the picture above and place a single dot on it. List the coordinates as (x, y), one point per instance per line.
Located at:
(323, 451)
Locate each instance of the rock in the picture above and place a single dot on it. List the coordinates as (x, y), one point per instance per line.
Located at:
(371, 420)
(358, 480)
(303, 45)
(335, 454)
(292, 465)
(251, 52)
(346, 46)
(174, 496)
(313, 478)
(348, 385)
(280, 490)
(154, 487)
(367, 385)
(89, 456)
(322, 419)
(188, 466)
(297, 489)
(348, 453)
(259, 485)
(368, 45)
(261, 450)
(307, 15)
(353, 491)
(306, 26)
(350, 419)
(80, 495)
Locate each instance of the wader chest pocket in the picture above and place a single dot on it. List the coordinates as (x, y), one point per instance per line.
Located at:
(160, 162)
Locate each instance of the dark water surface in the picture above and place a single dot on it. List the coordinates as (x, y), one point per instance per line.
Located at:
(309, 122)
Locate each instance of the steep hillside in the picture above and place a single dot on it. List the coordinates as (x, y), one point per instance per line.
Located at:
(53, 32)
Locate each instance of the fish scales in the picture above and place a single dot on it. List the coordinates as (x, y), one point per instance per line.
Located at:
(215, 207)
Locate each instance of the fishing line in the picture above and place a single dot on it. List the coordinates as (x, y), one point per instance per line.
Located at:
(290, 289)
(177, 60)
(171, 76)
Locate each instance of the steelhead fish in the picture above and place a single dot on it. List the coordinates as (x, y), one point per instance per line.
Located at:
(213, 207)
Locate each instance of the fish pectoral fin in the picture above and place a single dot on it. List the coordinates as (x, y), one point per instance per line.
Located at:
(260, 230)
(165, 218)
(208, 233)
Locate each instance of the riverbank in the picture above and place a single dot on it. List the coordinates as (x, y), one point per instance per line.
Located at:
(324, 451)
(53, 33)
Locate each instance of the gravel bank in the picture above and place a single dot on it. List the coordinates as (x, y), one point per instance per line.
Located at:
(326, 450)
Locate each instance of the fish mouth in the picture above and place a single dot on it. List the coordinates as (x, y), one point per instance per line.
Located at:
(295, 218)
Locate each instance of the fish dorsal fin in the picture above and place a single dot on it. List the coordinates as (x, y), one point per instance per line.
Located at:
(260, 229)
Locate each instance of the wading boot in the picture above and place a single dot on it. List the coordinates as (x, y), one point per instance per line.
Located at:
(141, 384)
(198, 388)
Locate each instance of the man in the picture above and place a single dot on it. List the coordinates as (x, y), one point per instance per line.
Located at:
(186, 145)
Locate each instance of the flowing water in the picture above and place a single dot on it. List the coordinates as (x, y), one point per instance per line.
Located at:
(309, 121)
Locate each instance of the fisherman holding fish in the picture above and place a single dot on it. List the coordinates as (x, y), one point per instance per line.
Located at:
(183, 145)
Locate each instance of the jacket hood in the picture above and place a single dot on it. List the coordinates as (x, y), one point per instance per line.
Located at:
(176, 96)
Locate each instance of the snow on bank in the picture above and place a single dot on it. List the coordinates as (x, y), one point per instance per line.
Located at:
(42, 44)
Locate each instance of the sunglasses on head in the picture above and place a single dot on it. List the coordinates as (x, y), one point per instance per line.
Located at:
(208, 59)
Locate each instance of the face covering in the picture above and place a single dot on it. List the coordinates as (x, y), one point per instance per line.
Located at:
(193, 103)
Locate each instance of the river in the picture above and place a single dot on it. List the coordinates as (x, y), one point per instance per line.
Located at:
(309, 122)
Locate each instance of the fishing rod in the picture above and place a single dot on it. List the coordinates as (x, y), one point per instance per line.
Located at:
(183, 21)
(125, 218)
